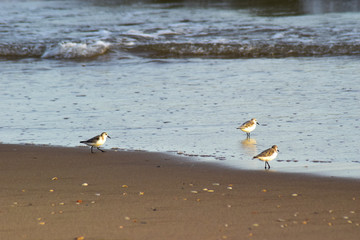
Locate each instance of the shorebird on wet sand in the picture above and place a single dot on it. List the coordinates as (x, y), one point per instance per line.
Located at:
(268, 155)
(248, 126)
(97, 141)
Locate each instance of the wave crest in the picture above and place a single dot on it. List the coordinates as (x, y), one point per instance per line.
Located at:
(70, 50)
(21, 50)
(262, 50)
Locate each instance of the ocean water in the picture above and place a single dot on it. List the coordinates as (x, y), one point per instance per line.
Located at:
(180, 76)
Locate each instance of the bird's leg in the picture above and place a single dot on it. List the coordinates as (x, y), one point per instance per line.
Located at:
(248, 135)
(92, 149)
(267, 164)
(100, 149)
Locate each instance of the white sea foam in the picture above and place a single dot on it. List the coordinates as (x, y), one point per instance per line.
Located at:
(70, 50)
(167, 32)
(141, 35)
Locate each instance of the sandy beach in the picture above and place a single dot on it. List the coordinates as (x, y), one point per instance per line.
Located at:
(68, 193)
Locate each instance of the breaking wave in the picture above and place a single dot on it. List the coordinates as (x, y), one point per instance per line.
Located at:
(21, 50)
(71, 50)
(262, 50)
(64, 50)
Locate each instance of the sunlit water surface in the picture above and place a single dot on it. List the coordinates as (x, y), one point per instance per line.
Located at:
(308, 107)
(180, 76)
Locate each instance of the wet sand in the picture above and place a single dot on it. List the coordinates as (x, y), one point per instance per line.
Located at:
(69, 193)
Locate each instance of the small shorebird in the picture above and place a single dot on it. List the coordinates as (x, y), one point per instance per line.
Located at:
(97, 141)
(248, 126)
(268, 155)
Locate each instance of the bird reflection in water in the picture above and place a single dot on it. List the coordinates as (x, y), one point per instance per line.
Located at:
(249, 146)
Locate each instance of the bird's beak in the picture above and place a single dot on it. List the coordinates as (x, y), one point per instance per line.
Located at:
(257, 123)
(278, 150)
(109, 136)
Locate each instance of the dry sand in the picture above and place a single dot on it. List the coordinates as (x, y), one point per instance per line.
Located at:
(69, 193)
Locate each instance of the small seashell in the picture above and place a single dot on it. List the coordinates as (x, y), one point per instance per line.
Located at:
(229, 188)
(51, 190)
(124, 186)
(216, 184)
(264, 190)
(194, 191)
(210, 191)
(283, 225)
(41, 222)
(256, 225)
(294, 194)
(85, 184)
(141, 193)
(54, 178)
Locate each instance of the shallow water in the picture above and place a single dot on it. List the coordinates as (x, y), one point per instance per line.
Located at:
(305, 106)
(179, 78)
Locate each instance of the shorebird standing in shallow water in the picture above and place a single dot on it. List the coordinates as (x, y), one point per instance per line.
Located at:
(97, 141)
(268, 155)
(248, 126)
